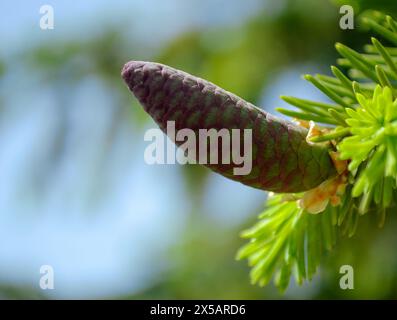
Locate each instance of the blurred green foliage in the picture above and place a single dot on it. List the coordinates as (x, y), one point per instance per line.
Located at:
(243, 58)
(361, 5)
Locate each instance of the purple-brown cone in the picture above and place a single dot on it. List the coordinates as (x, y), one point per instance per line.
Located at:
(282, 160)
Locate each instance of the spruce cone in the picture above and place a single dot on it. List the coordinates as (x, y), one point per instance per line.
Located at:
(282, 160)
